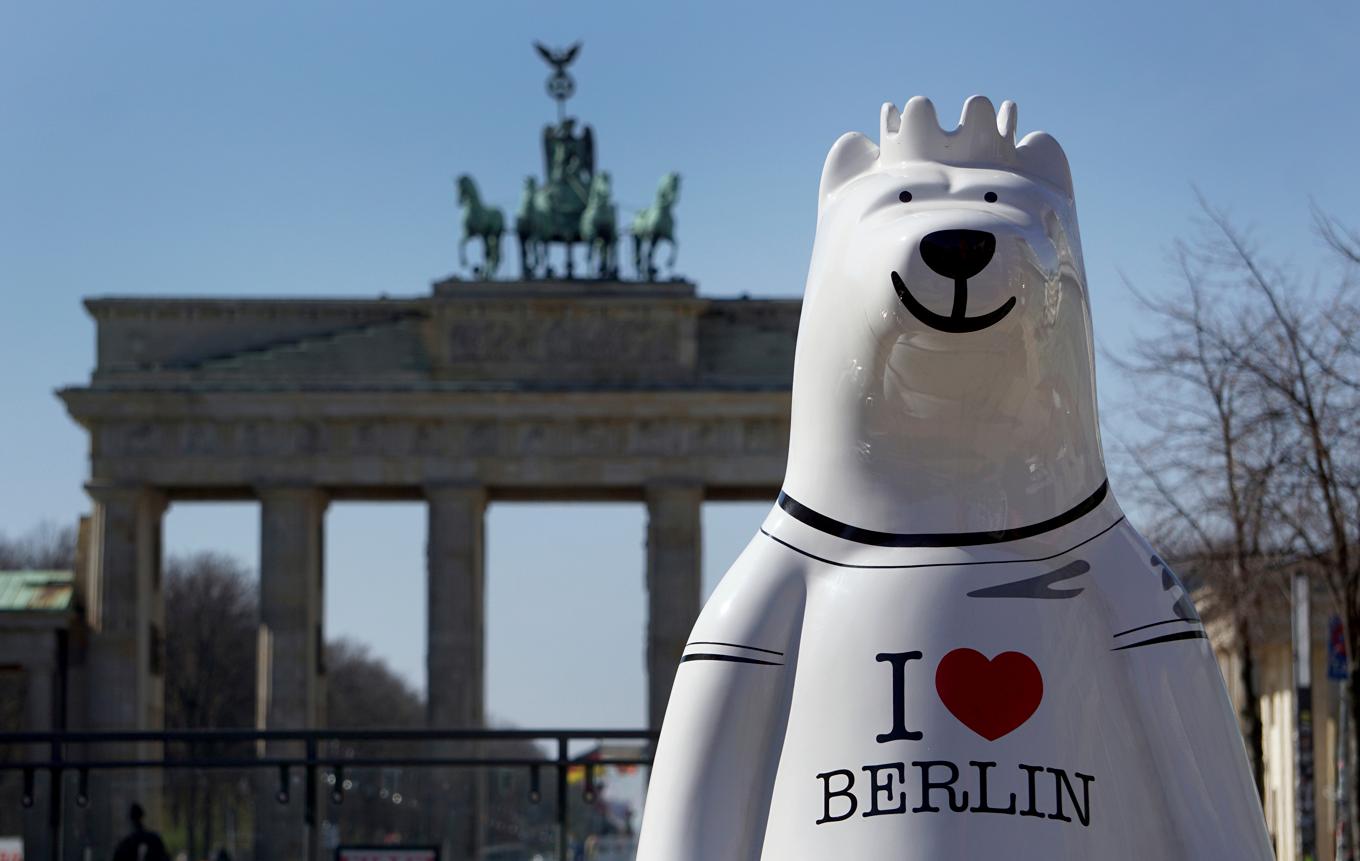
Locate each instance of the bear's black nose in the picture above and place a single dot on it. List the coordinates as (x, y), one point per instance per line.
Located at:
(958, 254)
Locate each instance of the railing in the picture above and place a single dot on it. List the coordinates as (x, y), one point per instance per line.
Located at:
(313, 758)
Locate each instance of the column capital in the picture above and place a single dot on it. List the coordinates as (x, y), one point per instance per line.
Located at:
(114, 493)
(678, 482)
(664, 488)
(292, 492)
(470, 490)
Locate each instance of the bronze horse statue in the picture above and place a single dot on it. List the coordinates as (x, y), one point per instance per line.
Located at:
(480, 222)
(653, 225)
(599, 229)
(532, 252)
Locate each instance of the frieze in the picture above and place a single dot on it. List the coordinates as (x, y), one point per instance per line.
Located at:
(598, 437)
(601, 339)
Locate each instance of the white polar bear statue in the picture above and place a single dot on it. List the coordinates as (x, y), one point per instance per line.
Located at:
(947, 642)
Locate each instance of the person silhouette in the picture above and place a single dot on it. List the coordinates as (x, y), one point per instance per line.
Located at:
(141, 844)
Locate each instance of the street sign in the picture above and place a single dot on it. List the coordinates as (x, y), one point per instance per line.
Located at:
(1336, 651)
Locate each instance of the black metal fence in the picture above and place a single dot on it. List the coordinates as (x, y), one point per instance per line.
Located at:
(316, 756)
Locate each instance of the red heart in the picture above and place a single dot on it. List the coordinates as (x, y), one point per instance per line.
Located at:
(992, 697)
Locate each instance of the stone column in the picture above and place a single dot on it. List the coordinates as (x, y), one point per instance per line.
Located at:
(126, 611)
(455, 658)
(292, 664)
(674, 570)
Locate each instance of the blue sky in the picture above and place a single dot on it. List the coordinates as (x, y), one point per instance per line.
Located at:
(309, 149)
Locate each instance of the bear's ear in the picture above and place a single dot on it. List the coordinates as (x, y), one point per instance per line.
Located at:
(1041, 155)
(851, 156)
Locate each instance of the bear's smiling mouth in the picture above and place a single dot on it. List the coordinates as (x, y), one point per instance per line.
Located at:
(957, 322)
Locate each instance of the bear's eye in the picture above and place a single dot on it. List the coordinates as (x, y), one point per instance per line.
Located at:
(990, 197)
(905, 197)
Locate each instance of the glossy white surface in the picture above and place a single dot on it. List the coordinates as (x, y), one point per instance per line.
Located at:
(887, 672)
(900, 427)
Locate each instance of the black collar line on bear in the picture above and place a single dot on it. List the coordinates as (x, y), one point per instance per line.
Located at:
(831, 526)
(957, 322)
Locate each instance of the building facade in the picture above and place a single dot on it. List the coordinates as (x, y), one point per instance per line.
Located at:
(1275, 694)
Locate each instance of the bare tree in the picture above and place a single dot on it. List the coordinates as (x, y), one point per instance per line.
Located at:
(1306, 359)
(211, 615)
(362, 691)
(45, 547)
(1207, 462)
(1265, 363)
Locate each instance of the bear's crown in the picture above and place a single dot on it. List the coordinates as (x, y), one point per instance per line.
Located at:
(984, 138)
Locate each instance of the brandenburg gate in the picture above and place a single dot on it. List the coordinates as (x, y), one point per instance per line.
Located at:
(543, 388)
(479, 392)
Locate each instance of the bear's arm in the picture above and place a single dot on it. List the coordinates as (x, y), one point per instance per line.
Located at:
(1197, 750)
(724, 726)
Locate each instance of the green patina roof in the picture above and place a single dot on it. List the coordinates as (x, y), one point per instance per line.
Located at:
(50, 591)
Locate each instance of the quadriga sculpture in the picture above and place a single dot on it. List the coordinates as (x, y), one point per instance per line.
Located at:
(947, 642)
